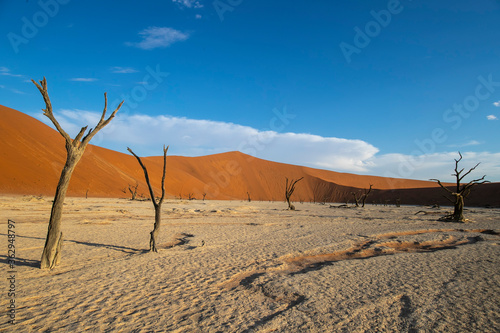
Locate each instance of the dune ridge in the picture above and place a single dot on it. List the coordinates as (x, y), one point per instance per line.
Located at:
(32, 155)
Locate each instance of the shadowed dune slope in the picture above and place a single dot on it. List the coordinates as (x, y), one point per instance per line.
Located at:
(32, 155)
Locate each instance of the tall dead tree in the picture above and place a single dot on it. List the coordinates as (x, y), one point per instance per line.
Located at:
(74, 150)
(461, 192)
(289, 188)
(157, 203)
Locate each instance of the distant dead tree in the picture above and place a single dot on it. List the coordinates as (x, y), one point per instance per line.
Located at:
(365, 195)
(461, 192)
(249, 199)
(74, 151)
(133, 190)
(156, 202)
(204, 195)
(361, 197)
(289, 188)
(191, 196)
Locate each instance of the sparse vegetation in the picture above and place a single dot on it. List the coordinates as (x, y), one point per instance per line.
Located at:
(74, 151)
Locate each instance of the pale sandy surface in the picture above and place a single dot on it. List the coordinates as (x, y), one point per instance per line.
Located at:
(252, 267)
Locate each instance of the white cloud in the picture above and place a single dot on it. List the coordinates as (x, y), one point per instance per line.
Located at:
(123, 70)
(497, 104)
(83, 79)
(192, 137)
(189, 3)
(492, 117)
(198, 16)
(154, 37)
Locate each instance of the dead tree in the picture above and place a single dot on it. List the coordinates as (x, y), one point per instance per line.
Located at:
(365, 195)
(362, 197)
(249, 199)
(461, 192)
(74, 151)
(157, 203)
(133, 190)
(356, 199)
(289, 188)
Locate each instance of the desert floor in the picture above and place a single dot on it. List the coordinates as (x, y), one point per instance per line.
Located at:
(234, 266)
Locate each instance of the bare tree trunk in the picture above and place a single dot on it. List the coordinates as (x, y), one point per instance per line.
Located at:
(75, 148)
(458, 212)
(51, 254)
(156, 228)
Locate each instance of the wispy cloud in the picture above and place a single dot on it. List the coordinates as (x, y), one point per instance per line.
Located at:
(497, 104)
(155, 37)
(466, 144)
(189, 3)
(6, 72)
(123, 70)
(83, 79)
(492, 117)
(15, 91)
(198, 16)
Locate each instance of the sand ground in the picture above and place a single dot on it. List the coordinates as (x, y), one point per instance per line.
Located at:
(234, 266)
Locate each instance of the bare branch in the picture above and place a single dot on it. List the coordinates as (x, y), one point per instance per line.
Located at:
(42, 87)
(164, 171)
(101, 122)
(151, 193)
(472, 169)
(439, 182)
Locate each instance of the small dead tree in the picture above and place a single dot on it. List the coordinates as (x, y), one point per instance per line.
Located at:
(361, 197)
(365, 195)
(156, 203)
(74, 151)
(462, 191)
(133, 190)
(204, 195)
(356, 199)
(249, 199)
(289, 188)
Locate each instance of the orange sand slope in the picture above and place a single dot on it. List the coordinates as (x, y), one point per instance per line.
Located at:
(32, 155)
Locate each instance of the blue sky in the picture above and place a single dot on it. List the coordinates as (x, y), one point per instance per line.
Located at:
(389, 88)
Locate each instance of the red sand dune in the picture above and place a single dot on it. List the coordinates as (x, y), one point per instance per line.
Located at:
(32, 155)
